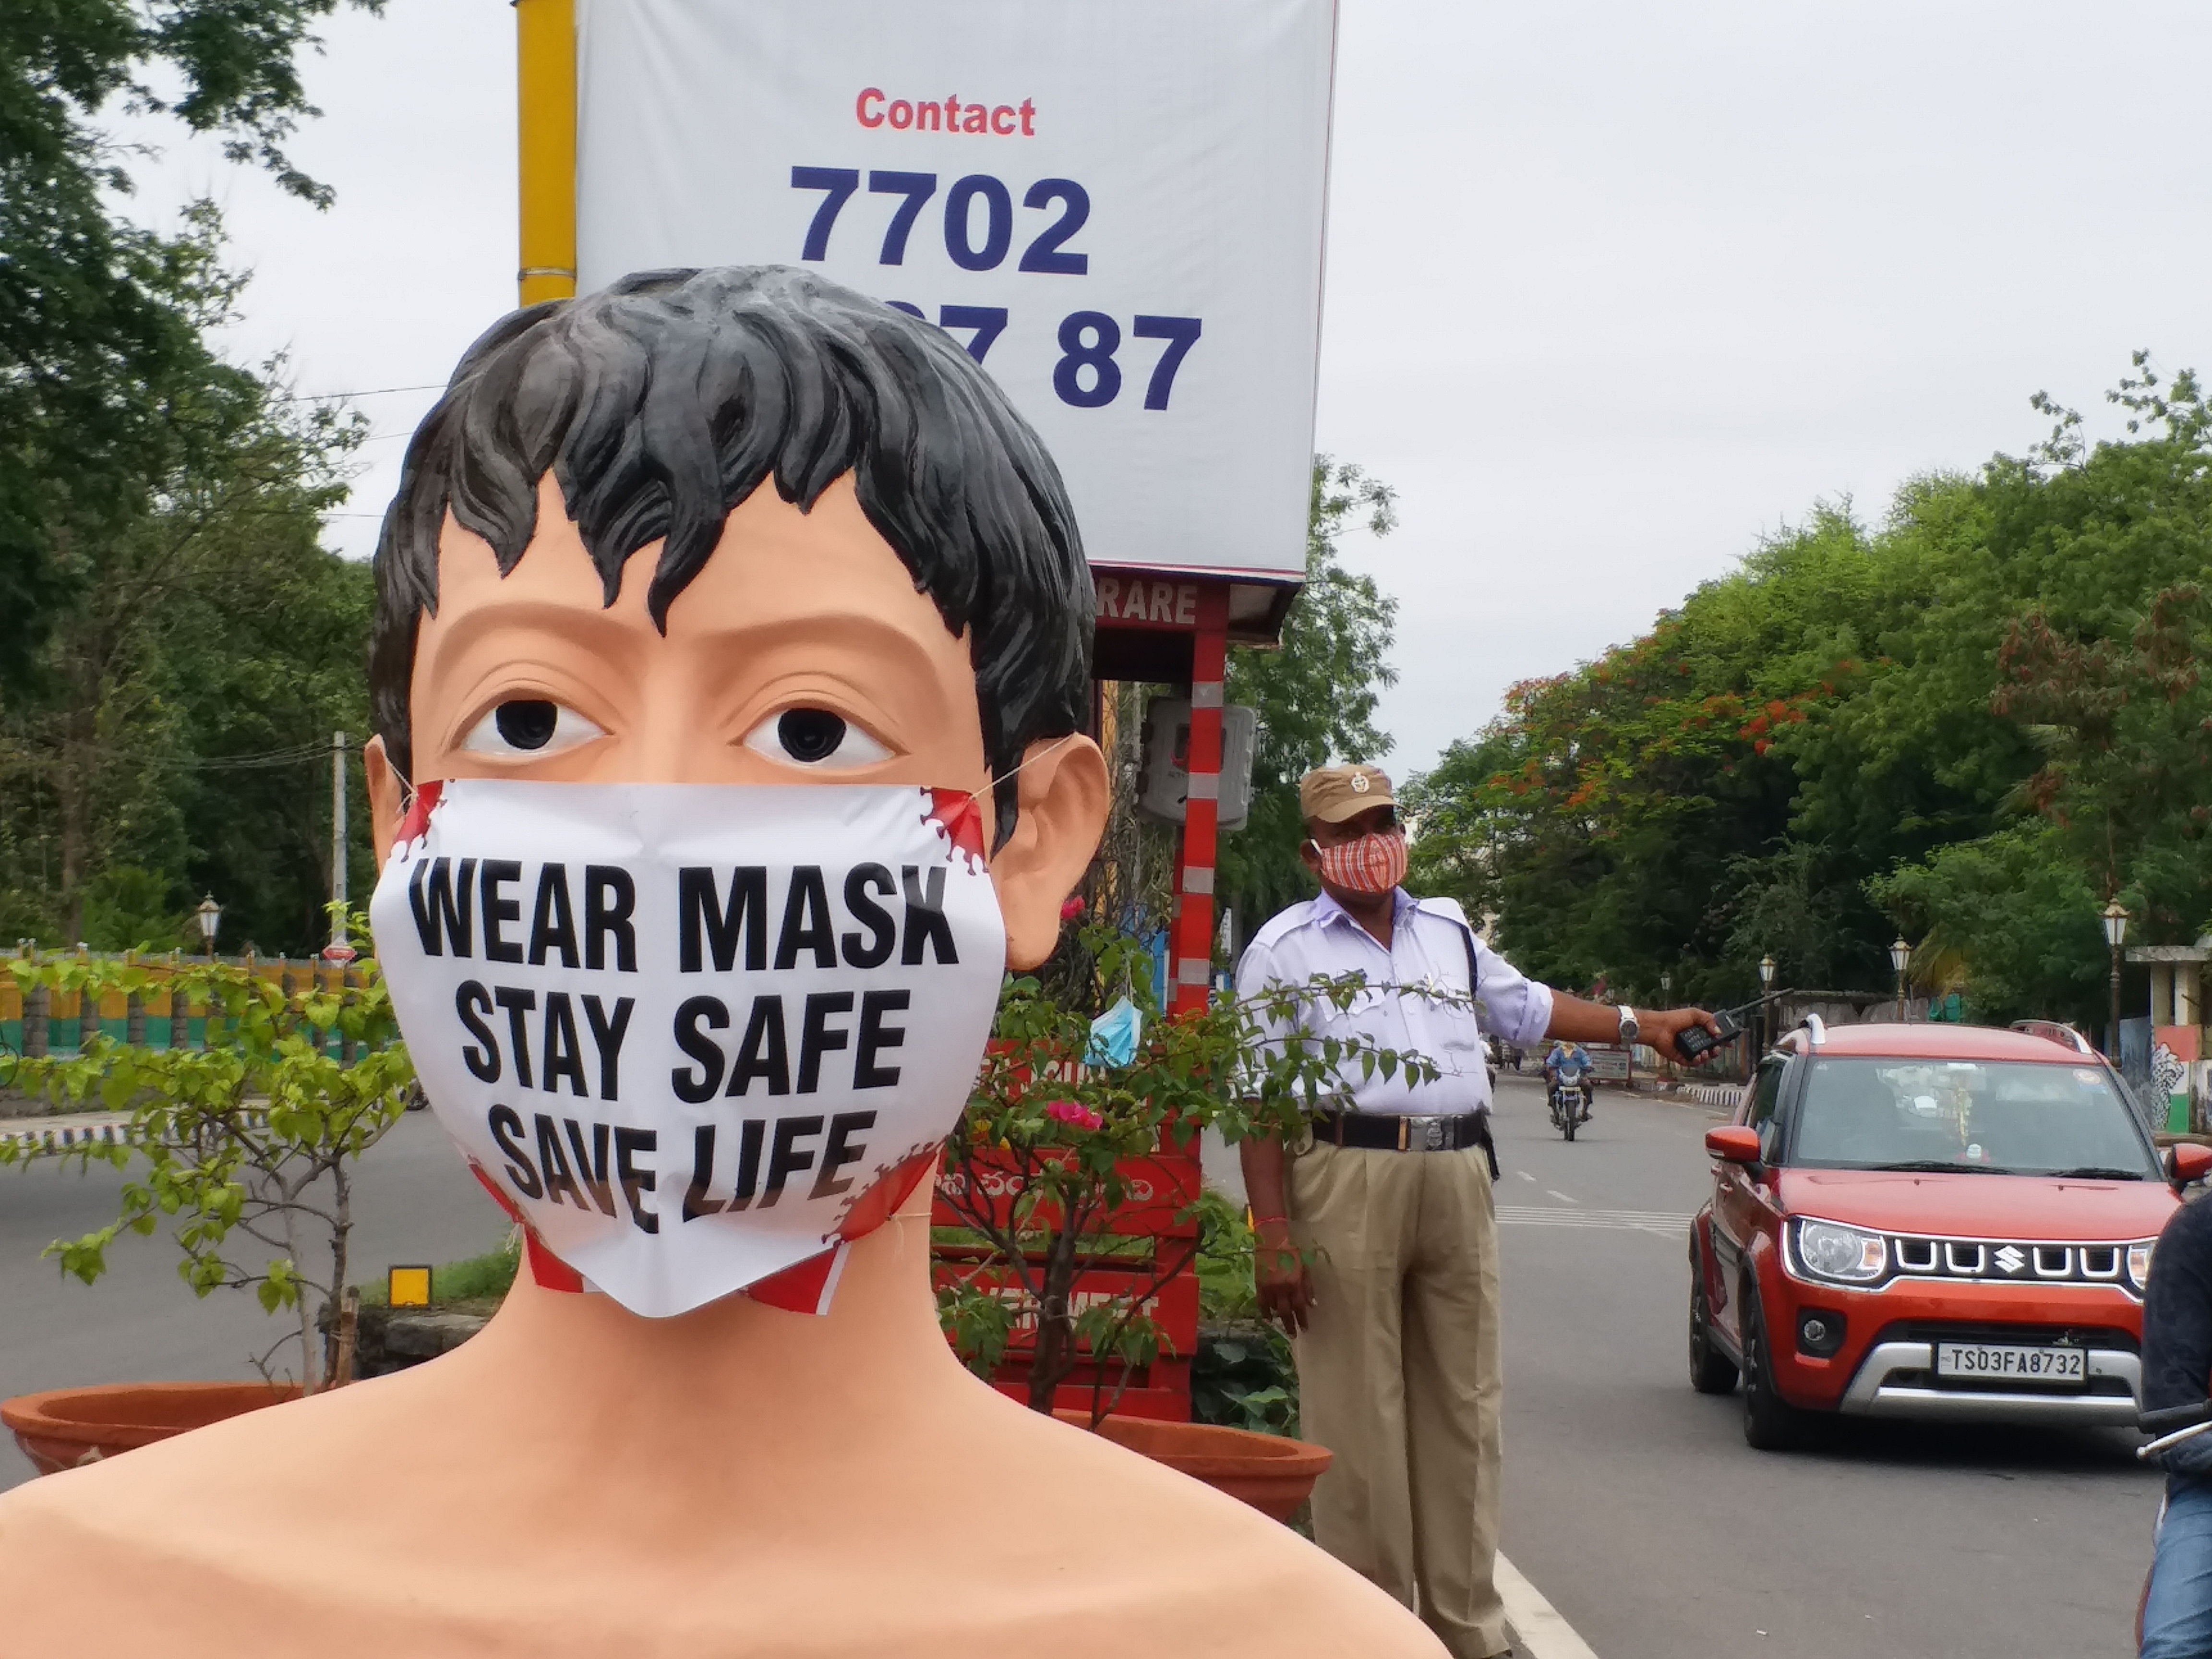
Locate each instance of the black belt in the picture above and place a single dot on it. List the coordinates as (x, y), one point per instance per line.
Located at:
(1390, 1132)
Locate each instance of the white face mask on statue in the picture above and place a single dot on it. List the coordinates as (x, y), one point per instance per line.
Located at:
(696, 1035)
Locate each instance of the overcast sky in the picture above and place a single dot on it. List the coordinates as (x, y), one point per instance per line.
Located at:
(1613, 289)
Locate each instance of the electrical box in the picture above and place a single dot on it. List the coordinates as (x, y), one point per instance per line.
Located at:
(1163, 776)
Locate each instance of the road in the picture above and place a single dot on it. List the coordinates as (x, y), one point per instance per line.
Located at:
(415, 1201)
(1633, 1504)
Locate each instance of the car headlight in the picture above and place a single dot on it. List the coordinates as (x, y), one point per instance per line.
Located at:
(1844, 1254)
(2139, 1263)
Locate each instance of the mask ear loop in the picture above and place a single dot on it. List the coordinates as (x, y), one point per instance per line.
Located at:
(977, 794)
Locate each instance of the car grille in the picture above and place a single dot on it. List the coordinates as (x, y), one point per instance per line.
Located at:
(2008, 1261)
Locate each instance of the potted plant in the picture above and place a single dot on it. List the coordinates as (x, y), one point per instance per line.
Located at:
(247, 1146)
(1064, 1229)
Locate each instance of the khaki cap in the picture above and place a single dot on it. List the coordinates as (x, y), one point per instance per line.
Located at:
(1334, 794)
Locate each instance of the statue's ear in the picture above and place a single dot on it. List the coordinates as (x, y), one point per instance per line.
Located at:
(1063, 813)
(387, 800)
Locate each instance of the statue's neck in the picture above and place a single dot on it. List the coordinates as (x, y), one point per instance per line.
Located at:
(690, 1388)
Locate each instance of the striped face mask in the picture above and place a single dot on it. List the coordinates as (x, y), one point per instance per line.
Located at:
(1375, 863)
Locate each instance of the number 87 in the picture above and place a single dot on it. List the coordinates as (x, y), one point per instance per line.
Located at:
(1097, 352)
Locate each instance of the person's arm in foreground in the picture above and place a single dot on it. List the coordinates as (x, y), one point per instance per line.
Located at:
(2177, 1349)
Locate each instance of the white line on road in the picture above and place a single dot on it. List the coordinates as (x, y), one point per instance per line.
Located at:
(1660, 1222)
(1537, 1626)
(1552, 1215)
(1524, 1174)
(1561, 1196)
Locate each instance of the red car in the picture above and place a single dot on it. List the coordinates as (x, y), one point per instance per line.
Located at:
(1929, 1221)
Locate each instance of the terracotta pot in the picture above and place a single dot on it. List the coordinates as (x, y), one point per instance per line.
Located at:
(65, 1428)
(1272, 1475)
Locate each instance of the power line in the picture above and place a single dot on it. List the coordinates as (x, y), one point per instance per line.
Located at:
(297, 755)
(372, 392)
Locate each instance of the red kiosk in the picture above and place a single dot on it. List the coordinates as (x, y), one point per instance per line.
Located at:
(1173, 629)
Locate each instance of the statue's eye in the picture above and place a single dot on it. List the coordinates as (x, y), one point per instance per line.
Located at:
(529, 725)
(815, 737)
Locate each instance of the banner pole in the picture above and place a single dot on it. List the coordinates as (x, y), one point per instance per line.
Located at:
(545, 102)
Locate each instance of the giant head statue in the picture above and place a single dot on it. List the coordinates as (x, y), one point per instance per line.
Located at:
(731, 644)
(729, 663)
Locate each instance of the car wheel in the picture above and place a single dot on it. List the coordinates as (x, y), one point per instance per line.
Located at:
(1770, 1422)
(1711, 1371)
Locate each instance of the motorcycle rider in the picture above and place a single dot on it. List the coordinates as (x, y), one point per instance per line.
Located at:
(1570, 1063)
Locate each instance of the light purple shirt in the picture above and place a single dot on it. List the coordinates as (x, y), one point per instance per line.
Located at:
(1429, 940)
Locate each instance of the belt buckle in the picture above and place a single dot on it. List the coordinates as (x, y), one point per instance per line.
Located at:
(1420, 1134)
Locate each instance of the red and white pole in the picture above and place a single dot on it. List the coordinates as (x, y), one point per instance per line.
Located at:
(1191, 959)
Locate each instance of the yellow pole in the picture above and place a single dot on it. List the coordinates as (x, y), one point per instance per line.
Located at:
(545, 64)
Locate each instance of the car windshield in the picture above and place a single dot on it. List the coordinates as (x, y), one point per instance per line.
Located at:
(1995, 1117)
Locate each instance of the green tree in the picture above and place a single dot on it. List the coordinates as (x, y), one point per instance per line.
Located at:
(210, 625)
(157, 505)
(1315, 694)
(1974, 722)
(98, 342)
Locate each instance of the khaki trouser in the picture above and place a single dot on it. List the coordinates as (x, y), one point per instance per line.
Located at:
(1400, 1376)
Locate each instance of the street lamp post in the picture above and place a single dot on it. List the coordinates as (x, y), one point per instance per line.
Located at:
(1900, 953)
(1765, 1007)
(2116, 935)
(210, 918)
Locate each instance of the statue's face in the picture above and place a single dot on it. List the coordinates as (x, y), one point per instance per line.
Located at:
(800, 654)
(795, 611)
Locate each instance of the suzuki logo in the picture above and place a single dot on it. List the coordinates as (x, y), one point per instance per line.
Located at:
(2012, 1258)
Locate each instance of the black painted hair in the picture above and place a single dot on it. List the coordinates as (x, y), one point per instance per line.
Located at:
(660, 404)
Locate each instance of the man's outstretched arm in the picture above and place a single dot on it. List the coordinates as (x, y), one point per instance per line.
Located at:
(1597, 1021)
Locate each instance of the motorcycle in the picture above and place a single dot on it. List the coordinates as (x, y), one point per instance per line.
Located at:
(1570, 1101)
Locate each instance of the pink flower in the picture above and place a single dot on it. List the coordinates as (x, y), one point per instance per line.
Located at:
(1078, 1117)
(1070, 910)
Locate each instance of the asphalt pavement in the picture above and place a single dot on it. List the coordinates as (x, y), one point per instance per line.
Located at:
(1632, 1503)
(415, 1202)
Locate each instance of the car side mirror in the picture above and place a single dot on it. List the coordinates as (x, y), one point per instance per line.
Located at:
(2185, 1162)
(1738, 1143)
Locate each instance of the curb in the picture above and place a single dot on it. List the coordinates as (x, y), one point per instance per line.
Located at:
(115, 1131)
(1538, 1630)
(71, 1136)
(1710, 1094)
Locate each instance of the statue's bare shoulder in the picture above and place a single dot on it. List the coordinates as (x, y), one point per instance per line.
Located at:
(395, 1516)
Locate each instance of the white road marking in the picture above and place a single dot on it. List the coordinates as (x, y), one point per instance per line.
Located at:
(1561, 1196)
(1663, 1224)
(1524, 1174)
(1538, 1629)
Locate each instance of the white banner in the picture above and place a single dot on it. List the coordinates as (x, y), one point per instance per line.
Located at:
(683, 1029)
(1117, 205)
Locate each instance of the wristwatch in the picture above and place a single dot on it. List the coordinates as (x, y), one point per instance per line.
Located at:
(1630, 1030)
